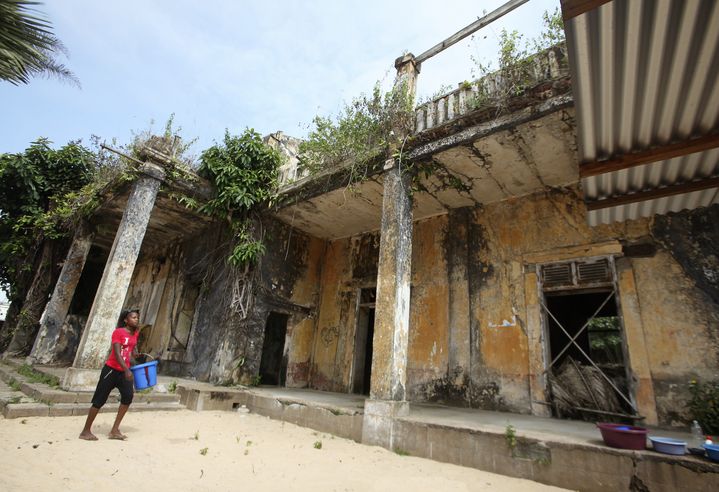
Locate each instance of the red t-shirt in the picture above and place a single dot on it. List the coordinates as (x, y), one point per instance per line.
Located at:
(127, 341)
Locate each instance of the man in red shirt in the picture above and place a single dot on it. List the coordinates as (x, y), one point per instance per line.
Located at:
(116, 374)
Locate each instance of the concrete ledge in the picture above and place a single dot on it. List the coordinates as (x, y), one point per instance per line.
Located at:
(45, 400)
(336, 420)
(585, 467)
(64, 410)
(20, 410)
(379, 421)
(16, 410)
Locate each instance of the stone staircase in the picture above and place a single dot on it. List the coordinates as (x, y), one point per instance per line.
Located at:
(36, 394)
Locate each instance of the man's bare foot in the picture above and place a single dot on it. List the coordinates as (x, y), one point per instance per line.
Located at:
(88, 436)
(117, 435)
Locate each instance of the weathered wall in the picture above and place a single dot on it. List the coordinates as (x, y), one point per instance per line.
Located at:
(680, 299)
(147, 293)
(223, 346)
(505, 234)
(674, 287)
(349, 265)
(428, 353)
(290, 284)
(475, 305)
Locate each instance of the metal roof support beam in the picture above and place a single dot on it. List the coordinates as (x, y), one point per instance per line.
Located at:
(470, 29)
(573, 8)
(656, 154)
(642, 196)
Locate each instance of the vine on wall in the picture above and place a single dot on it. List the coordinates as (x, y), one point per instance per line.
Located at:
(243, 170)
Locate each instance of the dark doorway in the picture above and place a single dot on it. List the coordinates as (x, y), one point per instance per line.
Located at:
(82, 300)
(273, 365)
(601, 340)
(364, 337)
(89, 281)
(595, 364)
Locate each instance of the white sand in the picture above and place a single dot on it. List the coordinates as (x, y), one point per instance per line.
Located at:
(244, 452)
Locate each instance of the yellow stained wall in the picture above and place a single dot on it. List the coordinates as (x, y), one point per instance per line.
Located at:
(512, 232)
(498, 343)
(330, 366)
(428, 349)
(301, 328)
(666, 327)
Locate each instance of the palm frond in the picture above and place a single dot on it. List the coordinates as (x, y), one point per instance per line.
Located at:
(28, 46)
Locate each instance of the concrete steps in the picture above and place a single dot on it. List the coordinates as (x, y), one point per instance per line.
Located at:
(23, 396)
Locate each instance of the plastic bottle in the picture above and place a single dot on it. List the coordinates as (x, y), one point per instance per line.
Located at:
(697, 435)
(709, 440)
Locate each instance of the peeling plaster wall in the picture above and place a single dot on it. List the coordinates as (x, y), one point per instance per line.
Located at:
(166, 296)
(680, 306)
(472, 302)
(290, 280)
(428, 351)
(678, 318)
(349, 265)
(188, 284)
(470, 323)
(224, 347)
(334, 322)
(153, 290)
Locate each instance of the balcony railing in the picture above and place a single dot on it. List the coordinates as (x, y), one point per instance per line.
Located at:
(545, 66)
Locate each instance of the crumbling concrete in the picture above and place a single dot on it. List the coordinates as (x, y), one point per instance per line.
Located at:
(476, 328)
(111, 293)
(46, 342)
(391, 335)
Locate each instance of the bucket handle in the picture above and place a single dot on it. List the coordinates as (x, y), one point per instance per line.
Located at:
(149, 355)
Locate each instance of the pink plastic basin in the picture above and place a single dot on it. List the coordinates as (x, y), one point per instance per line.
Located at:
(623, 436)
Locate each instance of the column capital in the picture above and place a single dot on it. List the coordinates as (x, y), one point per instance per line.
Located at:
(406, 63)
(152, 170)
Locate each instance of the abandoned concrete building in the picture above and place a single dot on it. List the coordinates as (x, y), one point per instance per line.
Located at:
(574, 231)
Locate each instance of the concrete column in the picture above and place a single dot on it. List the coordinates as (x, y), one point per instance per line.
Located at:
(391, 327)
(111, 292)
(391, 331)
(394, 271)
(43, 350)
(407, 72)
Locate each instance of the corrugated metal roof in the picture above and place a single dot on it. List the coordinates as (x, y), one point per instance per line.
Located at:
(645, 73)
(676, 203)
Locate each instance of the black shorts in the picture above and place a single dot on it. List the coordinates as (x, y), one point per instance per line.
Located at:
(109, 379)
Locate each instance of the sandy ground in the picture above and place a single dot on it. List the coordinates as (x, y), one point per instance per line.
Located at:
(216, 451)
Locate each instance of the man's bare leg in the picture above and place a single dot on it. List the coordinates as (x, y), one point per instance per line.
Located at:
(86, 433)
(115, 431)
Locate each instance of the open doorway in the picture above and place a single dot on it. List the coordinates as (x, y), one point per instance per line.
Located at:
(364, 337)
(587, 370)
(273, 365)
(80, 306)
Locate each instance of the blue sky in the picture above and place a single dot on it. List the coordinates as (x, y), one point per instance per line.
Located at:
(236, 64)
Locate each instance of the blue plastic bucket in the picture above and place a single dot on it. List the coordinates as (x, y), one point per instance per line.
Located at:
(145, 374)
